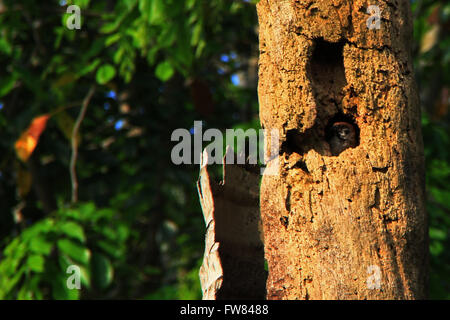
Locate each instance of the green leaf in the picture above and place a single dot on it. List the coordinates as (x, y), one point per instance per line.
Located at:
(38, 230)
(157, 12)
(109, 248)
(81, 3)
(114, 25)
(153, 10)
(436, 248)
(110, 27)
(437, 234)
(25, 293)
(6, 85)
(130, 4)
(201, 46)
(190, 4)
(166, 39)
(164, 71)
(112, 39)
(13, 245)
(118, 55)
(442, 196)
(9, 283)
(88, 68)
(41, 246)
(85, 276)
(87, 210)
(102, 270)
(74, 250)
(5, 46)
(105, 73)
(99, 214)
(60, 291)
(16, 252)
(73, 230)
(35, 263)
(34, 288)
(196, 34)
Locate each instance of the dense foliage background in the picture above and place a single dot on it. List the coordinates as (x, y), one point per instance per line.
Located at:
(137, 229)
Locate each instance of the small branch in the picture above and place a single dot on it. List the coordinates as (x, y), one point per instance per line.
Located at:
(76, 128)
(66, 107)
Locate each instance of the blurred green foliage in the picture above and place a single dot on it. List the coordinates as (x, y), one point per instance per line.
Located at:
(158, 65)
(432, 66)
(34, 264)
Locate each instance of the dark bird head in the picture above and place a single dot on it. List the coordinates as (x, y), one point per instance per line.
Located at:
(345, 132)
(342, 135)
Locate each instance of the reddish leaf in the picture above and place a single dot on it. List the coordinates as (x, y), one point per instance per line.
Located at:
(29, 139)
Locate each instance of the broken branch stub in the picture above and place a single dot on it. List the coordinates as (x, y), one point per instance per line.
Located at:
(233, 261)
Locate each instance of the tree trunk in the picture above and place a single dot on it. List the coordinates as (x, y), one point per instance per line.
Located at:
(344, 218)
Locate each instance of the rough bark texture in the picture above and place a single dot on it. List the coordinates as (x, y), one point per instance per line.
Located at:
(331, 221)
(233, 262)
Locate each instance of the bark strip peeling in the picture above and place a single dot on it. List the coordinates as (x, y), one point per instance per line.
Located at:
(347, 225)
(233, 262)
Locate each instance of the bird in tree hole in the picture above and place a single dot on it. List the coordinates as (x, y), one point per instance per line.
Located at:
(342, 136)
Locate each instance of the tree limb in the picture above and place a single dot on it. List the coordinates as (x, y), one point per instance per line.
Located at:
(76, 128)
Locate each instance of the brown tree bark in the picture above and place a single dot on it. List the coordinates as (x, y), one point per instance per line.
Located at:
(350, 224)
(233, 261)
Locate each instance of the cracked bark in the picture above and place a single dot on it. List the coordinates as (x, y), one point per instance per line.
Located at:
(328, 220)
